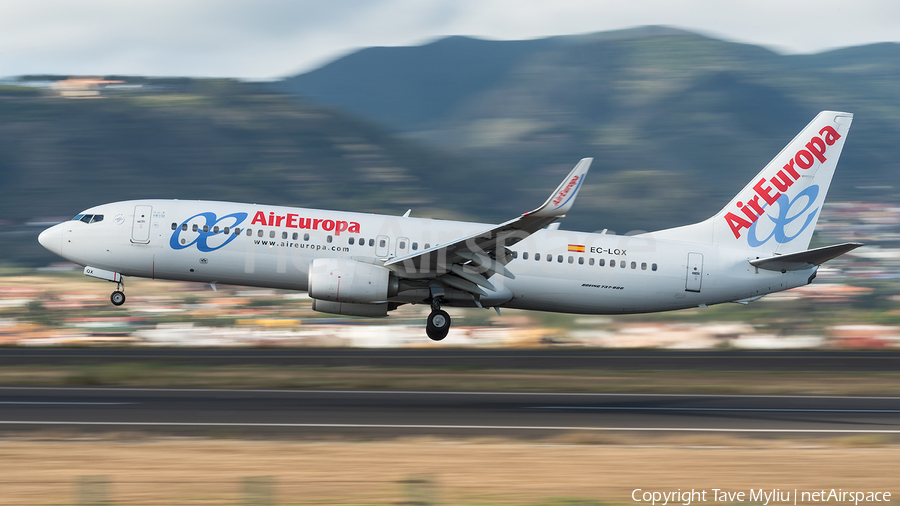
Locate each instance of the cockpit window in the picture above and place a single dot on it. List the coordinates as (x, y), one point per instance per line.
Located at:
(88, 218)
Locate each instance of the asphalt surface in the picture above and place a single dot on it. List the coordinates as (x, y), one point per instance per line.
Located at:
(447, 357)
(395, 413)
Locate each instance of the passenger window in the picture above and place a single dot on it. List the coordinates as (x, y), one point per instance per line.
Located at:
(653, 267)
(184, 227)
(580, 260)
(382, 243)
(549, 257)
(415, 246)
(559, 258)
(195, 227)
(271, 234)
(601, 262)
(216, 229)
(525, 256)
(643, 266)
(237, 231)
(284, 235)
(571, 259)
(634, 265)
(515, 254)
(372, 242)
(622, 264)
(537, 256)
(612, 263)
(260, 233)
(226, 231)
(328, 239)
(249, 233)
(174, 226)
(205, 229)
(402, 245)
(590, 261)
(305, 237)
(427, 245)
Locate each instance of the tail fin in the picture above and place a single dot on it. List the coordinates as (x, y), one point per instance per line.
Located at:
(778, 209)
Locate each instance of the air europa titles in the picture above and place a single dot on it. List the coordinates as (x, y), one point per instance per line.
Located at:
(565, 191)
(770, 190)
(295, 221)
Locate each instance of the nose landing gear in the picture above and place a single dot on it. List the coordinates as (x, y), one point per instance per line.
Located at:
(118, 297)
(438, 324)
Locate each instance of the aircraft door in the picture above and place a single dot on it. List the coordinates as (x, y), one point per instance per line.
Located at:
(140, 228)
(382, 246)
(694, 272)
(402, 247)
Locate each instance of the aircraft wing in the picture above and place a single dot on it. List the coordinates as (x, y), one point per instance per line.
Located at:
(485, 251)
(804, 259)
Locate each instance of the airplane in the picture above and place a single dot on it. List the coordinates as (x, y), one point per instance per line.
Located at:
(368, 265)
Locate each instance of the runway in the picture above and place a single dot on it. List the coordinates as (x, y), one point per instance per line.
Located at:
(402, 413)
(447, 357)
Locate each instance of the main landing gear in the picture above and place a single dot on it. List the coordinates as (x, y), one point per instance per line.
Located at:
(438, 321)
(118, 297)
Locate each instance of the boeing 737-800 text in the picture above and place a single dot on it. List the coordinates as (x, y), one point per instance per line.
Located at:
(368, 264)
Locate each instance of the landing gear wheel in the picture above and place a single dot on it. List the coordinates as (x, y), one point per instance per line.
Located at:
(117, 298)
(438, 325)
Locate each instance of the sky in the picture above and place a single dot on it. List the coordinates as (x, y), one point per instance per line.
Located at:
(270, 39)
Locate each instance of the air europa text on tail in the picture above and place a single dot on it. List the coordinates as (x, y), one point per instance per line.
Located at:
(770, 190)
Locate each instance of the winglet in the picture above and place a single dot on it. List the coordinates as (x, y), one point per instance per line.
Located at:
(563, 197)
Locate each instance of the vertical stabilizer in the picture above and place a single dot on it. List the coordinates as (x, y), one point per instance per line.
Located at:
(778, 209)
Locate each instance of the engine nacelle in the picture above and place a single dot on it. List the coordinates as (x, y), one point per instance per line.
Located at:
(342, 280)
(351, 309)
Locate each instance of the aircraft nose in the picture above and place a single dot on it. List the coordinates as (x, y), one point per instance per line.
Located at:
(52, 239)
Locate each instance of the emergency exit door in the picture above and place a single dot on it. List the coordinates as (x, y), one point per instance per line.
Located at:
(140, 228)
(694, 272)
(382, 246)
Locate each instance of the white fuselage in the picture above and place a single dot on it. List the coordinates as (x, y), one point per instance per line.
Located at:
(555, 270)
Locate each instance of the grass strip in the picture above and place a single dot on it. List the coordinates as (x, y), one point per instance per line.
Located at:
(162, 374)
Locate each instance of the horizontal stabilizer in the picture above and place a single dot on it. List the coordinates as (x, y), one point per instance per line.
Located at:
(804, 259)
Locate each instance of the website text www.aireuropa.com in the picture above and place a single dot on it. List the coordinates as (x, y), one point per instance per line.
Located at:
(301, 245)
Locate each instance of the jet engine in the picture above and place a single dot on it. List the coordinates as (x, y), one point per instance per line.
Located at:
(350, 281)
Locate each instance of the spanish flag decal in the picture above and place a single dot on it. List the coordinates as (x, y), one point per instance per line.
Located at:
(577, 248)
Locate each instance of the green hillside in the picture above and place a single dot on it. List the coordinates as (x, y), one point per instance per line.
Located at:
(461, 128)
(211, 140)
(658, 108)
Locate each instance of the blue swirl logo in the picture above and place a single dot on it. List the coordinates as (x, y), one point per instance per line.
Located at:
(784, 218)
(207, 233)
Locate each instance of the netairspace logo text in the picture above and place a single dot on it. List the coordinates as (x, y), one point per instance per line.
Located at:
(761, 496)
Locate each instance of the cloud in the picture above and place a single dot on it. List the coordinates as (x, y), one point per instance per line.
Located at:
(272, 38)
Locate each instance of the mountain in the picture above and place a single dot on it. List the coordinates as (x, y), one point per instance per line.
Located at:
(459, 128)
(211, 140)
(676, 122)
(411, 86)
